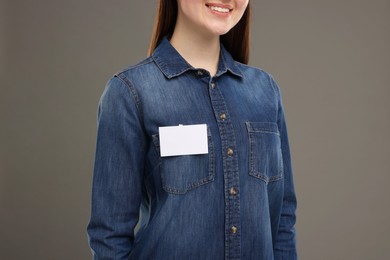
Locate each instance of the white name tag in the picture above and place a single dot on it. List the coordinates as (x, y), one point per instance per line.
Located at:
(183, 140)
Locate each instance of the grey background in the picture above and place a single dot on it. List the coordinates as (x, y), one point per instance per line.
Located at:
(331, 59)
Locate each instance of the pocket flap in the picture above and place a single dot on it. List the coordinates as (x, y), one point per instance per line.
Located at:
(263, 127)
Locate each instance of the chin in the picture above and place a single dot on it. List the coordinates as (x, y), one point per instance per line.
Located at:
(221, 31)
(218, 28)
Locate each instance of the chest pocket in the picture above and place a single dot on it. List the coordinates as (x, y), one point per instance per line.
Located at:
(180, 174)
(265, 154)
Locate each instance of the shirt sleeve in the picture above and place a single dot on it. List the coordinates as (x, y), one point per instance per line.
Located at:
(285, 242)
(117, 177)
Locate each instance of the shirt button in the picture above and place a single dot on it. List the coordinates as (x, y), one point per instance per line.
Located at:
(233, 229)
(200, 73)
(233, 191)
(222, 116)
(213, 85)
(230, 151)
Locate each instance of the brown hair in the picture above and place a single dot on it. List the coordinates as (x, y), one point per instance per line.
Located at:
(236, 41)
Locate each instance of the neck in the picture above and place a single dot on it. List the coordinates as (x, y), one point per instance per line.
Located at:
(199, 50)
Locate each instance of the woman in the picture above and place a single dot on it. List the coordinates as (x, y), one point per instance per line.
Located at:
(197, 141)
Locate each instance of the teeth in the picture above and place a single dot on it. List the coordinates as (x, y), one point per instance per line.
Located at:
(219, 9)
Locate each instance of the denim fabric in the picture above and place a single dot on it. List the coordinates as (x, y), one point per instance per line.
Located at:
(236, 202)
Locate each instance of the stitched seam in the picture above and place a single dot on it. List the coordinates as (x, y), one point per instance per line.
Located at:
(134, 94)
(137, 101)
(236, 63)
(259, 129)
(209, 178)
(264, 132)
(142, 63)
(252, 171)
(169, 76)
(275, 88)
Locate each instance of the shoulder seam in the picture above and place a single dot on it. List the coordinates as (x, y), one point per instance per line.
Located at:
(142, 63)
(274, 86)
(133, 92)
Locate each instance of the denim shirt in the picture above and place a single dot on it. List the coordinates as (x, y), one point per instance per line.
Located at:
(235, 202)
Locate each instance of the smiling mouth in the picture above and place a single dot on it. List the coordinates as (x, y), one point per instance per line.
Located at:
(218, 9)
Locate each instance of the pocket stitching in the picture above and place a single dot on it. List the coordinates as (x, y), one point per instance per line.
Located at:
(202, 181)
(252, 171)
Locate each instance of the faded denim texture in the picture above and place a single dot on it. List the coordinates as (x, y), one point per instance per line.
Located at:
(236, 202)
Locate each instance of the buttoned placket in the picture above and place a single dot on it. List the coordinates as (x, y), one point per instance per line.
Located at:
(230, 170)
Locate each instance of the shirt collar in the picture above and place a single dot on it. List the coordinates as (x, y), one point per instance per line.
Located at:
(172, 64)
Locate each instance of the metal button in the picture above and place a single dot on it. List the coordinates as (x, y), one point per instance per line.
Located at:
(200, 73)
(230, 151)
(213, 85)
(233, 191)
(233, 229)
(222, 116)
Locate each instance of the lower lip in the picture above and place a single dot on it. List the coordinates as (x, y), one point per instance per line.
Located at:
(220, 14)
